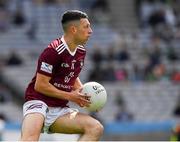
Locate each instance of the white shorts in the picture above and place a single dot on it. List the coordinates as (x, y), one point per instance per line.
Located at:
(50, 113)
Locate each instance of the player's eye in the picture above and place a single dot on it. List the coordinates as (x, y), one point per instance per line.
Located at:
(87, 26)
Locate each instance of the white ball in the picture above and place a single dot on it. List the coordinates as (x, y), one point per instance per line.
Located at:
(98, 95)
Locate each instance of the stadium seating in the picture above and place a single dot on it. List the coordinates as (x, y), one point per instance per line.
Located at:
(146, 101)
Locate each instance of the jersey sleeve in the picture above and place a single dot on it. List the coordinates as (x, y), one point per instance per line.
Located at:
(47, 62)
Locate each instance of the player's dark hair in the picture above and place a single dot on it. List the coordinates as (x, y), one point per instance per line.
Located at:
(72, 15)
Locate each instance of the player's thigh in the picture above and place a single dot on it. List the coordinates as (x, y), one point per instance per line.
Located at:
(77, 125)
(32, 124)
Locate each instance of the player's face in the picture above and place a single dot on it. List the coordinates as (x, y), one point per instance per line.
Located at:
(83, 32)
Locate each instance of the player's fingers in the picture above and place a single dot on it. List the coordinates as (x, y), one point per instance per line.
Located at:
(88, 97)
(80, 89)
(84, 105)
(85, 96)
(86, 102)
(81, 105)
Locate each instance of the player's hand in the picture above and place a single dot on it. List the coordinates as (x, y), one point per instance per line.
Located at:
(79, 98)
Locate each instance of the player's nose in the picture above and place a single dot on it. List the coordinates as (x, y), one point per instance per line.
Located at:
(90, 31)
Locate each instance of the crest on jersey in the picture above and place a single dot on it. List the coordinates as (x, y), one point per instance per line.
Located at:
(46, 67)
(72, 65)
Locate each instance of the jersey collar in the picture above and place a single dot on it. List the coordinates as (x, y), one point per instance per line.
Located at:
(66, 46)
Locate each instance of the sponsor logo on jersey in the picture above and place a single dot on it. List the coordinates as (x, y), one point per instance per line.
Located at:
(62, 86)
(65, 65)
(46, 67)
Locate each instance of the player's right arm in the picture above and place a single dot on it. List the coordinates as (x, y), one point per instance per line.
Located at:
(48, 60)
(43, 86)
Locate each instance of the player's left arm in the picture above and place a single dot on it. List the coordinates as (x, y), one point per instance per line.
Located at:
(78, 84)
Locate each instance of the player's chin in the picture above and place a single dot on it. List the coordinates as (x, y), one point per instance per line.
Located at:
(88, 37)
(85, 41)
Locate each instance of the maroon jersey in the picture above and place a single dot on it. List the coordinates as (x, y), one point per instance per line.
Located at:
(62, 65)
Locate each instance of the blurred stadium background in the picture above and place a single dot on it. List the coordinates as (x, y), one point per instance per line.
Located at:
(134, 52)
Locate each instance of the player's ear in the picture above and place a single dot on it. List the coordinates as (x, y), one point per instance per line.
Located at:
(73, 29)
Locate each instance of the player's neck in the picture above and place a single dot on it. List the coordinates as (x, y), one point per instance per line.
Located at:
(70, 42)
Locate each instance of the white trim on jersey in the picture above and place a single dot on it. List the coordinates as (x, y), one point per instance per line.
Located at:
(61, 50)
(81, 48)
(66, 46)
(59, 46)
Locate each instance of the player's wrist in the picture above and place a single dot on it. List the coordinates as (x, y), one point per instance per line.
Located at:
(68, 96)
